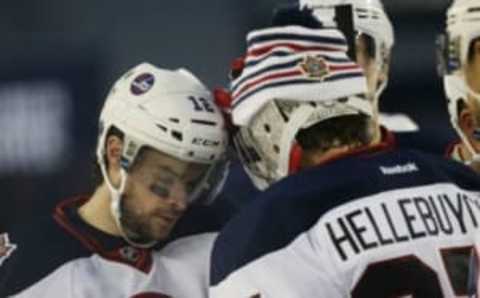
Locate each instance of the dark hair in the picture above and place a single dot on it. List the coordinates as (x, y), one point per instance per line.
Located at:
(461, 106)
(352, 130)
(370, 45)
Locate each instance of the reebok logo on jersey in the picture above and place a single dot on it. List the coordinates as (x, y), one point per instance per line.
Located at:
(6, 248)
(399, 169)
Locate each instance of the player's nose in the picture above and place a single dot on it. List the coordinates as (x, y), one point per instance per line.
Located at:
(179, 197)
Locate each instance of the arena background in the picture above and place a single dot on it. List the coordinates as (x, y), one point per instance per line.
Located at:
(59, 58)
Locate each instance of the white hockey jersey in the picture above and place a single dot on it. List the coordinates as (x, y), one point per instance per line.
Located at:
(64, 257)
(383, 223)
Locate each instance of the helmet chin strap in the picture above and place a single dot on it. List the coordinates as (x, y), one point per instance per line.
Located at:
(116, 195)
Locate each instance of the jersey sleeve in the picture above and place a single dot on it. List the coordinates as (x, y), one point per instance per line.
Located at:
(32, 253)
(294, 271)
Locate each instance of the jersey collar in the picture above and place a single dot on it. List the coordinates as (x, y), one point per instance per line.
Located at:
(109, 247)
(387, 143)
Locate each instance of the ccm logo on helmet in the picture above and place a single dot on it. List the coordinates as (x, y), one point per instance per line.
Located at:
(142, 84)
(205, 142)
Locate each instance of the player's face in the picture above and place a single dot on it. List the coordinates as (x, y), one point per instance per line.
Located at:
(470, 116)
(156, 195)
(472, 69)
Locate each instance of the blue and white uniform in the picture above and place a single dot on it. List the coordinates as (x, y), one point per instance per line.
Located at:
(378, 223)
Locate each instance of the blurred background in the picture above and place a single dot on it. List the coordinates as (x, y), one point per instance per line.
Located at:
(58, 60)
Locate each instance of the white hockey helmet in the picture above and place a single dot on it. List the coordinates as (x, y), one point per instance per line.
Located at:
(370, 18)
(294, 77)
(462, 28)
(168, 111)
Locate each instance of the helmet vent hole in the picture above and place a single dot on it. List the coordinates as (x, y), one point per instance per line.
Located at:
(162, 127)
(267, 127)
(204, 122)
(313, 104)
(177, 135)
(212, 157)
(276, 148)
(191, 153)
(174, 120)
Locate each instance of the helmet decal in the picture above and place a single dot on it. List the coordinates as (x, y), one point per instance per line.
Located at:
(142, 84)
(315, 67)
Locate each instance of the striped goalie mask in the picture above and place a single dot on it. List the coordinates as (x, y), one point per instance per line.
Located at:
(293, 78)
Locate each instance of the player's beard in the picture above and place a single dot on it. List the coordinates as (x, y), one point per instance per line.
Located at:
(135, 227)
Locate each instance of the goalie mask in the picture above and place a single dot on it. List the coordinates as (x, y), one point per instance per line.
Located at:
(168, 111)
(463, 28)
(293, 78)
(371, 20)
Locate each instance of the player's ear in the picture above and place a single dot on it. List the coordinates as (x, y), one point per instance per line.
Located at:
(113, 152)
(466, 121)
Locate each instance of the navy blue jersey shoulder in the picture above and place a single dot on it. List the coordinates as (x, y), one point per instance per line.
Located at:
(277, 216)
(425, 141)
(239, 189)
(41, 247)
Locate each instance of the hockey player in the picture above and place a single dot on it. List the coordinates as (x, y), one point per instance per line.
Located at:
(460, 64)
(374, 40)
(374, 43)
(345, 214)
(160, 149)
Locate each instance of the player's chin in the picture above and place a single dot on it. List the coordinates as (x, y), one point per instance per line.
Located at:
(160, 229)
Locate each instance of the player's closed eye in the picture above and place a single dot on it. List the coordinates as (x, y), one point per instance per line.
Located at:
(160, 190)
